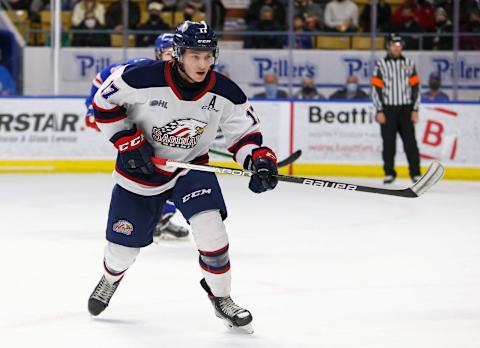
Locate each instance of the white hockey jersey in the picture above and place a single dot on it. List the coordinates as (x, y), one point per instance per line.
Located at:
(180, 124)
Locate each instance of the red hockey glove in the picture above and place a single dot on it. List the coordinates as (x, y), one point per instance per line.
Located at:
(90, 119)
(133, 151)
(90, 122)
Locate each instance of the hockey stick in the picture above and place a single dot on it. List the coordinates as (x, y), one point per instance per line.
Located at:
(285, 162)
(431, 177)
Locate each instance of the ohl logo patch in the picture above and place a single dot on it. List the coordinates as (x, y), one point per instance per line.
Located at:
(123, 227)
(183, 133)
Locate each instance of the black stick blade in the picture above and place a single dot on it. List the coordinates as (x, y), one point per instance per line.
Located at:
(290, 159)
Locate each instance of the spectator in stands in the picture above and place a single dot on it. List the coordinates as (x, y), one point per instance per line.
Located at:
(434, 93)
(90, 38)
(154, 23)
(198, 5)
(472, 26)
(308, 90)
(384, 12)
(168, 5)
(443, 25)
(191, 8)
(272, 91)
(36, 6)
(312, 12)
(16, 4)
(419, 11)
(301, 40)
(7, 83)
(217, 20)
(408, 24)
(265, 23)
(84, 6)
(425, 15)
(466, 6)
(350, 91)
(41, 5)
(279, 12)
(446, 4)
(114, 16)
(341, 15)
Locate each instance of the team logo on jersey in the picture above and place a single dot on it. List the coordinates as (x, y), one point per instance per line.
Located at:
(123, 227)
(183, 133)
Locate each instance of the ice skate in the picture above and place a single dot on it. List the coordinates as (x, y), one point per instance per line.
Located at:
(388, 179)
(101, 296)
(166, 229)
(236, 318)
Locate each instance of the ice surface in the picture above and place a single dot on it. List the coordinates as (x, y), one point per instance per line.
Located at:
(317, 268)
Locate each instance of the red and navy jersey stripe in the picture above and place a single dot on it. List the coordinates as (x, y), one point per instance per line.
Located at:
(252, 138)
(109, 115)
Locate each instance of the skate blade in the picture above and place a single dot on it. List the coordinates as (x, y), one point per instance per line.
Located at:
(246, 329)
(169, 238)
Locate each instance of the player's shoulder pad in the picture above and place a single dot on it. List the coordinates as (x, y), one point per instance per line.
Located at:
(228, 89)
(145, 74)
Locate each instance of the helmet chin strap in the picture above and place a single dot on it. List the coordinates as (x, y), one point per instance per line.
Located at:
(180, 66)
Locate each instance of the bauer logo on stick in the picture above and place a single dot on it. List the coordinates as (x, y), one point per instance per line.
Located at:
(329, 184)
(123, 227)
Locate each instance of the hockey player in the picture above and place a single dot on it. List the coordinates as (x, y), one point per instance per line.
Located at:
(163, 51)
(172, 110)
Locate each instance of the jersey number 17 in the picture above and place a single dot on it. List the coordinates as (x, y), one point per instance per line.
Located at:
(109, 90)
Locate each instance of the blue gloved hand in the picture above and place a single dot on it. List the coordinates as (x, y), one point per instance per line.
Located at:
(90, 119)
(134, 151)
(263, 163)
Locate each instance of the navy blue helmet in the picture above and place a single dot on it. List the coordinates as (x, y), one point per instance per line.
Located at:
(196, 36)
(162, 42)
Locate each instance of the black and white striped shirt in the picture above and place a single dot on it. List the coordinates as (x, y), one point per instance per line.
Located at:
(395, 82)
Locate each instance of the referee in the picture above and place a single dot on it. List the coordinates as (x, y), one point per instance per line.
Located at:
(396, 97)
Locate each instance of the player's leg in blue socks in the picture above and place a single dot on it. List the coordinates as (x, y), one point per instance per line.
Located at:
(166, 228)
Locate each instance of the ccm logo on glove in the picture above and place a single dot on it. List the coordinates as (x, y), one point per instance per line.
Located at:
(130, 143)
(264, 152)
(134, 151)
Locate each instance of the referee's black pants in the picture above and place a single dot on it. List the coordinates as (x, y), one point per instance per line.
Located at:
(398, 119)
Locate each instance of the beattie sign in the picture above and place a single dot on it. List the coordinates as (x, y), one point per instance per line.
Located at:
(438, 133)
